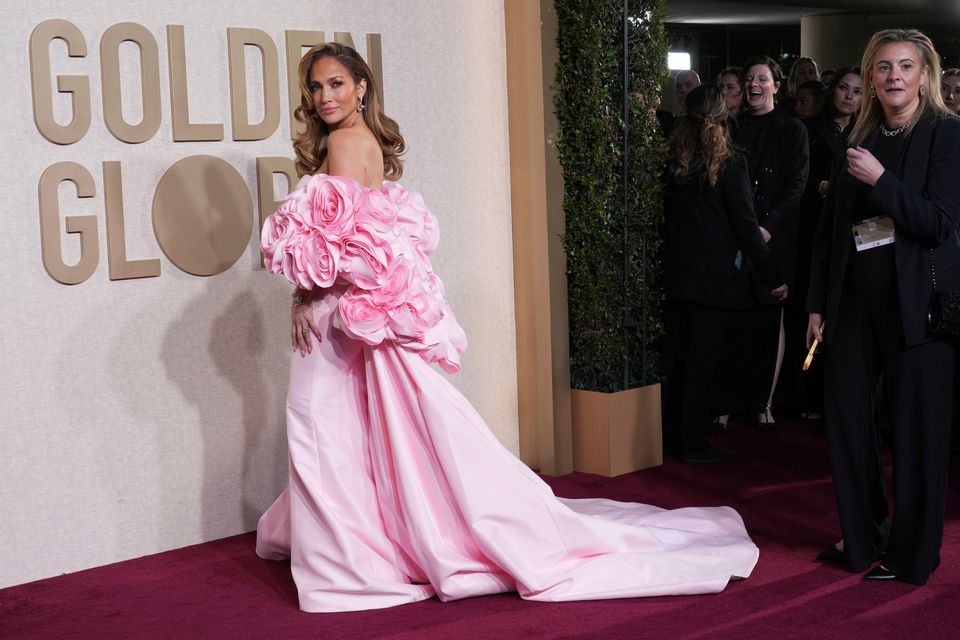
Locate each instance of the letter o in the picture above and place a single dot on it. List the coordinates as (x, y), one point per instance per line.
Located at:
(202, 215)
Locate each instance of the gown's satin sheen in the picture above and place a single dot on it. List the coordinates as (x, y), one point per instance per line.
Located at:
(399, 491)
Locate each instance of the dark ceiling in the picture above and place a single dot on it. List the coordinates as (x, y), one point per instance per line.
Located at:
(790, 11)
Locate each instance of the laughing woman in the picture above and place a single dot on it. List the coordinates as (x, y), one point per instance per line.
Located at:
(887, 239)
(778, 157)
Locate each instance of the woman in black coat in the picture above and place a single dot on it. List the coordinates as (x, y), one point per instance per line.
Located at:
(778, 156)
(887, 237)
(710, 226)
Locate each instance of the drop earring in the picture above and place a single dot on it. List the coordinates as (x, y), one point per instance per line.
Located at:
(922, 90)
(873, 92)
(360, 106)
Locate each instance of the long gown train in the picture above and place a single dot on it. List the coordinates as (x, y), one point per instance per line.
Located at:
(399, 491)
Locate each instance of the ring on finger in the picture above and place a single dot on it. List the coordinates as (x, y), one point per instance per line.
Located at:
(305, 332)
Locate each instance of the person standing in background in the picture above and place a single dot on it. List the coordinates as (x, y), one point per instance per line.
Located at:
(729, 83)
(802, 391)
(827, 76)
(809, 100)
(708, 214)
(887, 240)
(684, 83)
(950, 88)
(803, 70)
(777, 153)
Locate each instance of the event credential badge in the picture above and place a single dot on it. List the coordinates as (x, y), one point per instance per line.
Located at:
(873, 232)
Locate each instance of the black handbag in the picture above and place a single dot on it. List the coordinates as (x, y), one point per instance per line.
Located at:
(943, 315)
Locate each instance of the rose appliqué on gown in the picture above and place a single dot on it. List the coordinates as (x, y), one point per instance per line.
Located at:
(331, 228)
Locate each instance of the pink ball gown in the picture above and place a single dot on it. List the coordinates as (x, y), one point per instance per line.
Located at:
(398, 490)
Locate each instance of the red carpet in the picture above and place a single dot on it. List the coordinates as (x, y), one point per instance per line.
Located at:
(779, 483)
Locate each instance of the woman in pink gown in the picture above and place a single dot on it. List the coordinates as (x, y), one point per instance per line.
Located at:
(398, 490)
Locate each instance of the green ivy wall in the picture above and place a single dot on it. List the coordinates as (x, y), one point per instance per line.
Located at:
(610, 148)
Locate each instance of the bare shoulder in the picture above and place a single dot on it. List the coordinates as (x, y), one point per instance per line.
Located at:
(354, 153)
(351, 141)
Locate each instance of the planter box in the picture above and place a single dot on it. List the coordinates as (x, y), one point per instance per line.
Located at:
(616, 433)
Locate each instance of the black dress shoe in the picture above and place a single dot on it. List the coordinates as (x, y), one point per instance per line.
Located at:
(879, 573)
(705, 454)
(832, 554)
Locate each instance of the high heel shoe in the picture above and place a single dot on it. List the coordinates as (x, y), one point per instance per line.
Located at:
(765, 421)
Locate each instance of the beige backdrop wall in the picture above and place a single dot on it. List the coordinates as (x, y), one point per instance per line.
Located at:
(144, 415)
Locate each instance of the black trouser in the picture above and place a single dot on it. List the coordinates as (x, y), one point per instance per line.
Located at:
(749, 360)
(865, 344)
(798, 391)
(694, 335)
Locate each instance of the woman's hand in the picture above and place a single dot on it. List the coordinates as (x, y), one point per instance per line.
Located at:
(780, 293)
(863, 166)
(813, 329)
(301, 326)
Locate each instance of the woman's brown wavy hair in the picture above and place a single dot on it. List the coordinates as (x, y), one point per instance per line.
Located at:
(311, 145)
(700, 138)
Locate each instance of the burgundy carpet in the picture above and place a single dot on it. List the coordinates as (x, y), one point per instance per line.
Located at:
(779, 483)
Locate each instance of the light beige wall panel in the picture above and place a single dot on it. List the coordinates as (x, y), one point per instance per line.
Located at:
(143, 415)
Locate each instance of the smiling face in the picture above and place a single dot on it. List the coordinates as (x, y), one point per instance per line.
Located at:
(731, 91)
(896, 76)
(950, 88)
(847, 94)
(334, 93)
(760, 88)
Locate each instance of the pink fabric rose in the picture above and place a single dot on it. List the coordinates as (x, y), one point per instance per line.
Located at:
(360, 318)
(367, 256)
(394, 285)
(375, 207)
(278, 231)
(414, 218)
(380, 243)
(320, 260)
(331, 201)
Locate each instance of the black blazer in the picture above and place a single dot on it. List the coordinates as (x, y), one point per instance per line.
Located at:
(779, 163)
(923, 199)
(704, 227)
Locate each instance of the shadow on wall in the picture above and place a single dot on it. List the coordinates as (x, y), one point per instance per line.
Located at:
(235, 472)
(204, 453)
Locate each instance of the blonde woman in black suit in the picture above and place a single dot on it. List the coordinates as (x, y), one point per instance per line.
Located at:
(888, 228)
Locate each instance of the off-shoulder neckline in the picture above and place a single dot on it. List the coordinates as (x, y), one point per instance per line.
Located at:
(383, 184)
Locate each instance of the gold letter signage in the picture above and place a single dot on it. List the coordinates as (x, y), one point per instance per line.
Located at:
(203, 210)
